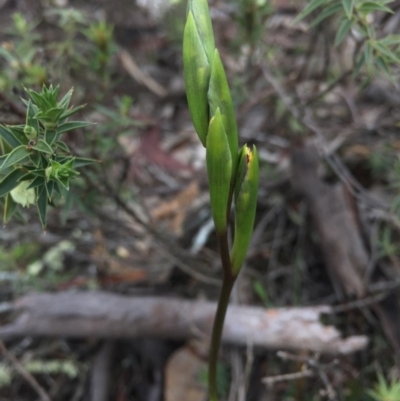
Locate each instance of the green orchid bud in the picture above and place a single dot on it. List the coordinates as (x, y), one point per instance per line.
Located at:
(219, 96)
(219, 168)
(201, 15)
(245, 198)
(197, 71)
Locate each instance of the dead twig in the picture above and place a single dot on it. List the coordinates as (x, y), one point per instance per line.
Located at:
(103, 315)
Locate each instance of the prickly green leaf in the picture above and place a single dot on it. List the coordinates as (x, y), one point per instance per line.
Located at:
(36, 182)
(64, 102)
(18, 132)
(9, 209)
(41, 194)
(219, 169)
(35, 158)
(69, 112)
(72, 125)
(197, 76)
(8, 137)
(63, 146)
(50, 136)
(10, 181)
(202, 19)
(82, 161)
(343, 30)
(219, 96)
(245, 198)
(31, 121)
(42, 146)
(14, 157)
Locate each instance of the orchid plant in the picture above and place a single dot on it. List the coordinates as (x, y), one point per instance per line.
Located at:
(232, 173)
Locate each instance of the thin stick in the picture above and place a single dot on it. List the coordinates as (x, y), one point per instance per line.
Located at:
(24, 373)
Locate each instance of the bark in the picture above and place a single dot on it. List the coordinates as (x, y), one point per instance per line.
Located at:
(335, 215)
(344, 252)
(104, 315)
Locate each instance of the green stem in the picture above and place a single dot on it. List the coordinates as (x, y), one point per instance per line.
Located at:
(227, 285)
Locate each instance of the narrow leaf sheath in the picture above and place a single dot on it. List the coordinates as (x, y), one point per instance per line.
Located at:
(201, 14)
(219, 96)
(245, 197)
(197, 76)
(219, 168)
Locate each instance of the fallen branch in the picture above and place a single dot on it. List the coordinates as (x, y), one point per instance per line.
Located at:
(103, 315)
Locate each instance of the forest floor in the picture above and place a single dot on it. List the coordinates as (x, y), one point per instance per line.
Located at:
(115, 299)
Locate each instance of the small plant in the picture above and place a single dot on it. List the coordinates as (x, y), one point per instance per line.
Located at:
(100, 35)
(376, 52)
(232, 174)
(21, 56)
(36, 164)
(385, 391)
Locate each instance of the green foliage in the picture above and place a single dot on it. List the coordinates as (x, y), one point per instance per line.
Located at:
(377, 52)
(28, 59)
(385, 391)
(39, 165)
(22, 56)
(387, 246)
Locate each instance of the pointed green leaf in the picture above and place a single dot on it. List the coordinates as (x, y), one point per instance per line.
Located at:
(81, 161)
(390, 40)
(14, 157)
(69, 112)
(202, 19)
(348, 6)
(35, 158)
(64, 102)
(219, 96)
(8, 137)
(18, 132)
(382, 65)
(371, 6)
(385, 51)
(245, 195)
(10, 181)
(72, 125)
(9, 209)
(197, 76)
(327, 12)
(219, 169)
(50, 136)
(37, 182)
(42, 146)
(309, 8)
(343, 30)
(41, 194)
(63, 146)
(30, 116)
